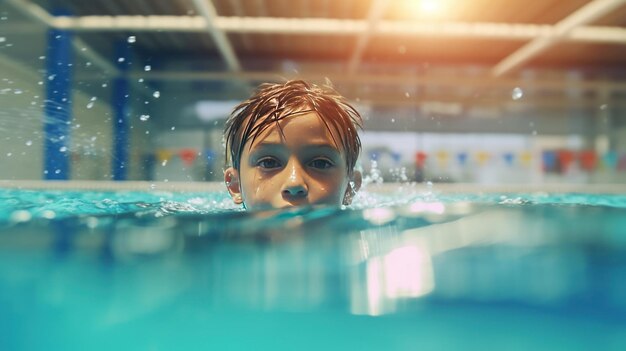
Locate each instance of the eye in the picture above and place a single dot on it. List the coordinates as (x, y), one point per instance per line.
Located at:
(321, 163)
(268, 163)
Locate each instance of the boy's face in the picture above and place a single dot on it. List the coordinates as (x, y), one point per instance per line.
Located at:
(301, 166)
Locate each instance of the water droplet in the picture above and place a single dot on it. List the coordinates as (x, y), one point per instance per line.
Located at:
(173, 128)
(104, 85)
(52, 76)
(93, 138)
(90, 104)
(407, 94)
(140, 80)
(393, 120)
(121, 59)
(17, 91)
(57, 171)
(88, 64)
(147, 132)
(156, 94)
(9, 154)
(164, 163)
(132, 39)
(42, 57)
(93, 98)
(63, 148)
(147, 68)
(3, 39)
(29, 143)
(152, 186)
(517, 93)
(144, 118)
(603, 106)
(40, 83)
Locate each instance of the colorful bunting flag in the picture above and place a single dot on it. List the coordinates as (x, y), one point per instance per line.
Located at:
(509, 157)
(588, 160)
(610, 159)
(164, 155)
(396, 156)
(565, 157)
(549, 160)
(188, 156)
(462, 158)
(482, 157)
(442, 158)
(525, 158)
(420, 158)
(621, 164)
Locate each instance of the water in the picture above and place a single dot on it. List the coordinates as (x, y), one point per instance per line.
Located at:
(158, 271)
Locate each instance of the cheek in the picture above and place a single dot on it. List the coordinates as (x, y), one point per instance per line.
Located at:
(257, 188)
(331, 190)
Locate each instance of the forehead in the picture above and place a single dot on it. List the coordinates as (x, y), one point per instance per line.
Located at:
(296, 129)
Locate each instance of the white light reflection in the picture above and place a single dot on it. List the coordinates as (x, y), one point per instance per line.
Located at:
(405, 272)
(428, 207)
(409, 272)
(379, 216)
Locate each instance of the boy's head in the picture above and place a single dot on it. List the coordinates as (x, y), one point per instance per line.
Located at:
(292, 144)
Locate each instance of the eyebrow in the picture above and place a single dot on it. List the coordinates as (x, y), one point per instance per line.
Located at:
(322, 145)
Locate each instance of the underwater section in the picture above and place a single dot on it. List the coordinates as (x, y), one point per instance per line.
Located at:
(499, 272)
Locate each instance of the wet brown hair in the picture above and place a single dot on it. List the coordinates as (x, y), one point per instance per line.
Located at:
(274, 102)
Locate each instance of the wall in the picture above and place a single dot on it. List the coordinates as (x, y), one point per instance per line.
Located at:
(22, 96)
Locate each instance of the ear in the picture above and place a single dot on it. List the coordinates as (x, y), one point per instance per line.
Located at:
(353, 187)
(231, 178)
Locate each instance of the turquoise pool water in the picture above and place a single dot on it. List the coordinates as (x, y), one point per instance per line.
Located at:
(162, 271)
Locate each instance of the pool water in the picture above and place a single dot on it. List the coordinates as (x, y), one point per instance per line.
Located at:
(162, 271)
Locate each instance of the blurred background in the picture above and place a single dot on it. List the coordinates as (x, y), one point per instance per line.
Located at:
(476, 91)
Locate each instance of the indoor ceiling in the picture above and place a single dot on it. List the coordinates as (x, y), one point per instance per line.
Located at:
(381, 46)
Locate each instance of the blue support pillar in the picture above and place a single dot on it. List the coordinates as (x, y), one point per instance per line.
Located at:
(58, 107)
(120, 102)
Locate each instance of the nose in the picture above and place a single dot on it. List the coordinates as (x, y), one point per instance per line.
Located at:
(295, 185)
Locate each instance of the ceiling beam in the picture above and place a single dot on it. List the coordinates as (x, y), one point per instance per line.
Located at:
(32, 11)
(390, 79)
(376, 12)
(206, 9)
(340, 27)
(558, 32)
(41, 16)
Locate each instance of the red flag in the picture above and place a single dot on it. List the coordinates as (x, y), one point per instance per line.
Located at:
(588, 160)
(420, 158)
(566, 157)
(188, 156)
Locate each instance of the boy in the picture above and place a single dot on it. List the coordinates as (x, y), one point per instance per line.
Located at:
(292, 144)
